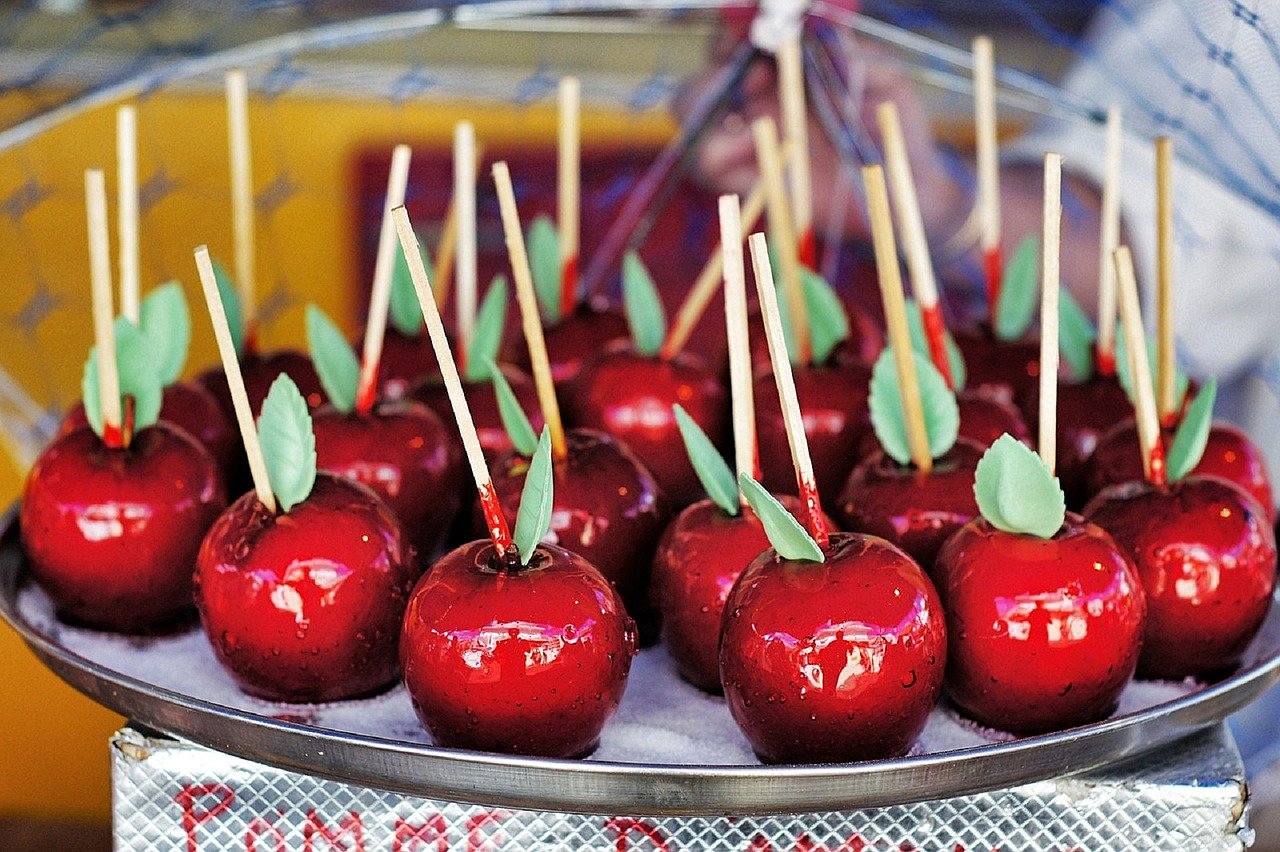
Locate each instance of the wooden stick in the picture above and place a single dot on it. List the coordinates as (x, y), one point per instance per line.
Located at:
(1050, 282)
(1165, 366)
(569, 193)
(127, 214)
(104, 333)
(782, 231)
(791, 417)
(988, 156)
(494, 519)
(464, 194)
(895, 313)
(380, 297)
(242, 214)
(1110, 240)
(795, 122)
(1139, 368)
(530, 316)
(735, 314)
(448, 245)
(902, 190)
(235, 381)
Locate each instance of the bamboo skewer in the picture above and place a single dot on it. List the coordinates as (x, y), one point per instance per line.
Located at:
(242, 214)
(1050, 282)
(795, 123)
(741, 393)
(104, 333)
(1110, 240)
(895, 312)
(127, 212)
(988, 161)
(464, 195)
(783, 232)
(447, 248)
(1166, 392)
(1139, 368)
(569, 191)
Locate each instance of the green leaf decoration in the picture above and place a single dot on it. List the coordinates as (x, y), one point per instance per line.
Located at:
(1015, 491)
(1076, 337)
(139, 378)
(919, 342)
(166, 320)
(643, 306)
(1181, 383)
(288, 443)
(534, 518)
(334, 359)
(1193, 433)
(406, 313)
(542, 244)
(888, 416)
(708, 464)
(514, 420)
(230, 297)
(784, 532)
(1018, 291)
(487, 338)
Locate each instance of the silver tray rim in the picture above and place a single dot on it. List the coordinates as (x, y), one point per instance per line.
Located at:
(609, 788)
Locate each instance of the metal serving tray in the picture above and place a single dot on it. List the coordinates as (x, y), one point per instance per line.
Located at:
(634, 788)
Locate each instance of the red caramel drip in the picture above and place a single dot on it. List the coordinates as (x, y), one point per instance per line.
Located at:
(1106, 362)
(807, 248)
(1159, 473)
(569, 286)
(816, 521)
(993, 265)
(367, 393)
(935, 332)
(493, 518)
(113, 436)
(250, 341)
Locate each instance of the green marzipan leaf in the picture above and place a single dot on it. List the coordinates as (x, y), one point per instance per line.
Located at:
(784, 532)
(1193, 433)
(828, 322)
(334, 359)
(708, 464)
(643, 306)
(888, 416)
(136, 364)
(1181, 383)
(1018, 290)
(542, 244)
(1076, 337)
(915, 325)
(490, 321)
(166, 320)
(534, 518)
(230, 297)
(1015, 491)
(406, 313)
(514, 420)
(288, 443)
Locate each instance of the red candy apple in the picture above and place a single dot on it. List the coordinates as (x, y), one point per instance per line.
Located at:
(1006, 369)
(260, 370)
(1045, 614)
(1206, 555)
(483, 403)
(984, 418)
(832, 661)
(1086, 411)
(406, 360)
(112, 533)
(576, 339)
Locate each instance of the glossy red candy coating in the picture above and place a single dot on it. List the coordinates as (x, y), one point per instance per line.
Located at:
(835, 661)
(606, 508)
(407, 456)
(575, 340)
(985, 417)
(1044, 633)
(915, 511)
(305, 605)
(405, 361)
(862, 346)
(833, 405)
(192, 408)
(629, 396)
(1207, 559)
(260, 371)
(522, 660)
(1006, 369)
(112, 535)
(1229, 454)
(700, 557)
(1086, 411)
(483, 403)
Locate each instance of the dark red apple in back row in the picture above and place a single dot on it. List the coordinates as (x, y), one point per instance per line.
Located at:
(1206, 554)
(1006, 369)
(483, 404)
(260, 371)
(112, 534)
(306, 605)
(575, 340)
(1086, 411)
(521, 659)
(406, 360)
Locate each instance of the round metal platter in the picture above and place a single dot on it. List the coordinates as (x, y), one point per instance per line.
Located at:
(634, 788)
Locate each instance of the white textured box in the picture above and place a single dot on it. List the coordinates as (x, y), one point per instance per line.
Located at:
(171, 795)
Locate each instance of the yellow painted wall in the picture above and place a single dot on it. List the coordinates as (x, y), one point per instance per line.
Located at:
(53, 755)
